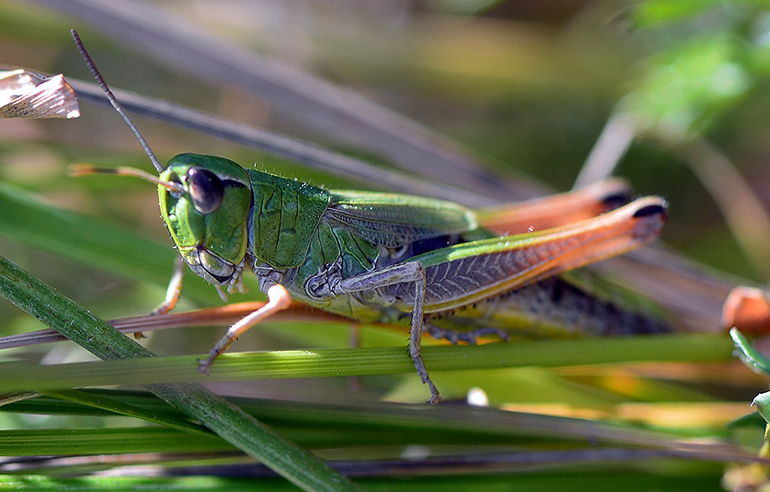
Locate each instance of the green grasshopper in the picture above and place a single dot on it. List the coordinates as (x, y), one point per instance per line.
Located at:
(371, 257)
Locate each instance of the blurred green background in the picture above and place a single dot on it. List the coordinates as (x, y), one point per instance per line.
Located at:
(518, 84)
(522, 86)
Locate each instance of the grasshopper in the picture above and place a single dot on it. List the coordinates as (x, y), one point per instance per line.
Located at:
(371, 257)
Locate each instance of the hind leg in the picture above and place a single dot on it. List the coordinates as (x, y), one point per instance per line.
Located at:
(454, 336)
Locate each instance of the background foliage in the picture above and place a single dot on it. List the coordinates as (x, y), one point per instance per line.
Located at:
(523, 87)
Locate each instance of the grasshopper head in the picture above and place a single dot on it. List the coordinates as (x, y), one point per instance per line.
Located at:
(205, 201)
(208, 219)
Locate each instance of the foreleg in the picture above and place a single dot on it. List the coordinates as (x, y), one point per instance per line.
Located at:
(278, 300)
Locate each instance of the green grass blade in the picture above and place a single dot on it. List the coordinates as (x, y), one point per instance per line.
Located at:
(365, 361)
(228, 421)
(121, 408)
(369, 424)
(704, 479)
(59, 442)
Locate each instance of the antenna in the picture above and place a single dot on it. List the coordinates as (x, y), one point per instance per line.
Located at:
(115, 104)
(77, 170)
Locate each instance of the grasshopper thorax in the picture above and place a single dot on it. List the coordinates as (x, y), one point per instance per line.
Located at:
(208, 219)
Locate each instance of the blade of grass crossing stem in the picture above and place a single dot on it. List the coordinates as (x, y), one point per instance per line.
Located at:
(228, 421)
(118, 407)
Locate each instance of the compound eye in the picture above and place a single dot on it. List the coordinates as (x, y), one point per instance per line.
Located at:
(206, 190)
